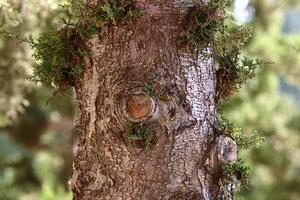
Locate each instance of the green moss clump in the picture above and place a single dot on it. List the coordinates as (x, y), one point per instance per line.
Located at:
(242, 139)
(238, 169)
(233, 74)
(163, 96)
(61, 55)
(147, 89)
(211, 26)
(233, 175)
(206, 21)
(108, 12)
(61, 51)
(141, 135)
(156, 92)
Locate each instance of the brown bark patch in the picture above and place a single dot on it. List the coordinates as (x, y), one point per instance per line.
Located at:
(139, 106)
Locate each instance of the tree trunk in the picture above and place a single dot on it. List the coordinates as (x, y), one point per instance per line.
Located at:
(141, 83)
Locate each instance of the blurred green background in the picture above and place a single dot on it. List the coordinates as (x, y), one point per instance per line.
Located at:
(36, 127)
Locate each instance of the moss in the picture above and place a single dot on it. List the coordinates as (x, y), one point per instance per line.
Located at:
(207, 20)
(147, 89)
(141, 135)
(242, 139)
(212, 26)
(163, 96)
(61, 55)
(232, 177)
(239, 170)
(234, 73)
(156, 92)
(61, 52)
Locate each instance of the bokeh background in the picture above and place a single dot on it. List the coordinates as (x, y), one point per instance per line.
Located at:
(36, 125)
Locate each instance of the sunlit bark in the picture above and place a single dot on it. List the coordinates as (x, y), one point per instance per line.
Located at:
(184, 161)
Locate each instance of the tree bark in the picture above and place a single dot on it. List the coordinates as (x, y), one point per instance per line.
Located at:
(184, 161)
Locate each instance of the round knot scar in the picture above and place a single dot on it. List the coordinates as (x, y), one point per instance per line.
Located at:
(227, 150)
(139, 106)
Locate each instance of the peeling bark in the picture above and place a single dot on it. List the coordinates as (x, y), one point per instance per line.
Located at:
(184, 161)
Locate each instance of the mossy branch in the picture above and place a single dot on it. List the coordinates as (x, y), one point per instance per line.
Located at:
(211, 26)
(243, 140)
(238, 170)
(61, 51)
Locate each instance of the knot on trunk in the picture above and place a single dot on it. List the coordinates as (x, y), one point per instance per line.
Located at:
(139, 106)
(227, 150)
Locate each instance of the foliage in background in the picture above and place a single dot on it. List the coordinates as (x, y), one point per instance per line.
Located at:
(264, 105)
(13, 65)
(211, 25)
(35, 139)
(33, 133)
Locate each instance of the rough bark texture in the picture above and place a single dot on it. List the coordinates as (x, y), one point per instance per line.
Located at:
(183, 163)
